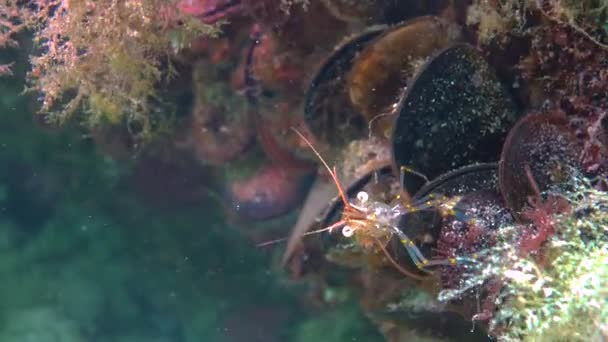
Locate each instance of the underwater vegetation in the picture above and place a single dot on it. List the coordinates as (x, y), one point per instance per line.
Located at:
(545, 297)
(108, 60)
(466, 143)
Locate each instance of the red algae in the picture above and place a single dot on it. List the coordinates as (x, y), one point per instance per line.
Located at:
(102, 61)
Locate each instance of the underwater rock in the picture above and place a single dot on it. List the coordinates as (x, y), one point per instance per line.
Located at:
(281, 145)
(271, 192)
(219, 128)
(302, 27)
(276, 68)
(220, 132)
(569, 69)
(210, 11)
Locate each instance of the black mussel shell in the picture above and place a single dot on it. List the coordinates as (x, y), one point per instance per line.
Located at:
(470, 178)
(455, 112)
(474, 184)
(545, 145)
(327, 108)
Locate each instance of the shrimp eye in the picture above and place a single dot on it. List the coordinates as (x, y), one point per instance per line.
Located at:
(347, 231)
(362, 197)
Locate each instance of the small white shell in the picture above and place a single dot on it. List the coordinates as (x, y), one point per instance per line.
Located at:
(362, 196)
(347, 231)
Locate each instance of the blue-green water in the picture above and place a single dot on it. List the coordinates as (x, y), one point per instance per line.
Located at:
(87, 255)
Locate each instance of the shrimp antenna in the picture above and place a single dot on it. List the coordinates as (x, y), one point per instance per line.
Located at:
(328, 228)
(332, 173)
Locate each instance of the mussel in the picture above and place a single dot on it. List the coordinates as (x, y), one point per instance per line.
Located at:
(455, 112)
(474, 188)
(327, 108)
(359, 85)
(467, 179)
(447, 116)
(540, 152)
(383, 68)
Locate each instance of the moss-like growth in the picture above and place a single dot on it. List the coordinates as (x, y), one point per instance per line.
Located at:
(495, 21)
(588, 15)
(560, 295)
(108, 58)
(567, 299)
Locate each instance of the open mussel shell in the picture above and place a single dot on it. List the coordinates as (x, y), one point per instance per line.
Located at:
(477, 188)
(454, 113)
(327, 108)
(541, 150)
(470, 178)
(383, 68)
(475, 184)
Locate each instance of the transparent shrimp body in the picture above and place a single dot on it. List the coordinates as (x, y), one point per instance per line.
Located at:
(366, 219)
(371, 217)
(380, 221)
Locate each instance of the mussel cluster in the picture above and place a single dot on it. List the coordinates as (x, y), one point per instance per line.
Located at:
(419, 120)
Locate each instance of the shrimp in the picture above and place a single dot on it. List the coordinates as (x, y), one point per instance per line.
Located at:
(367, 220)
